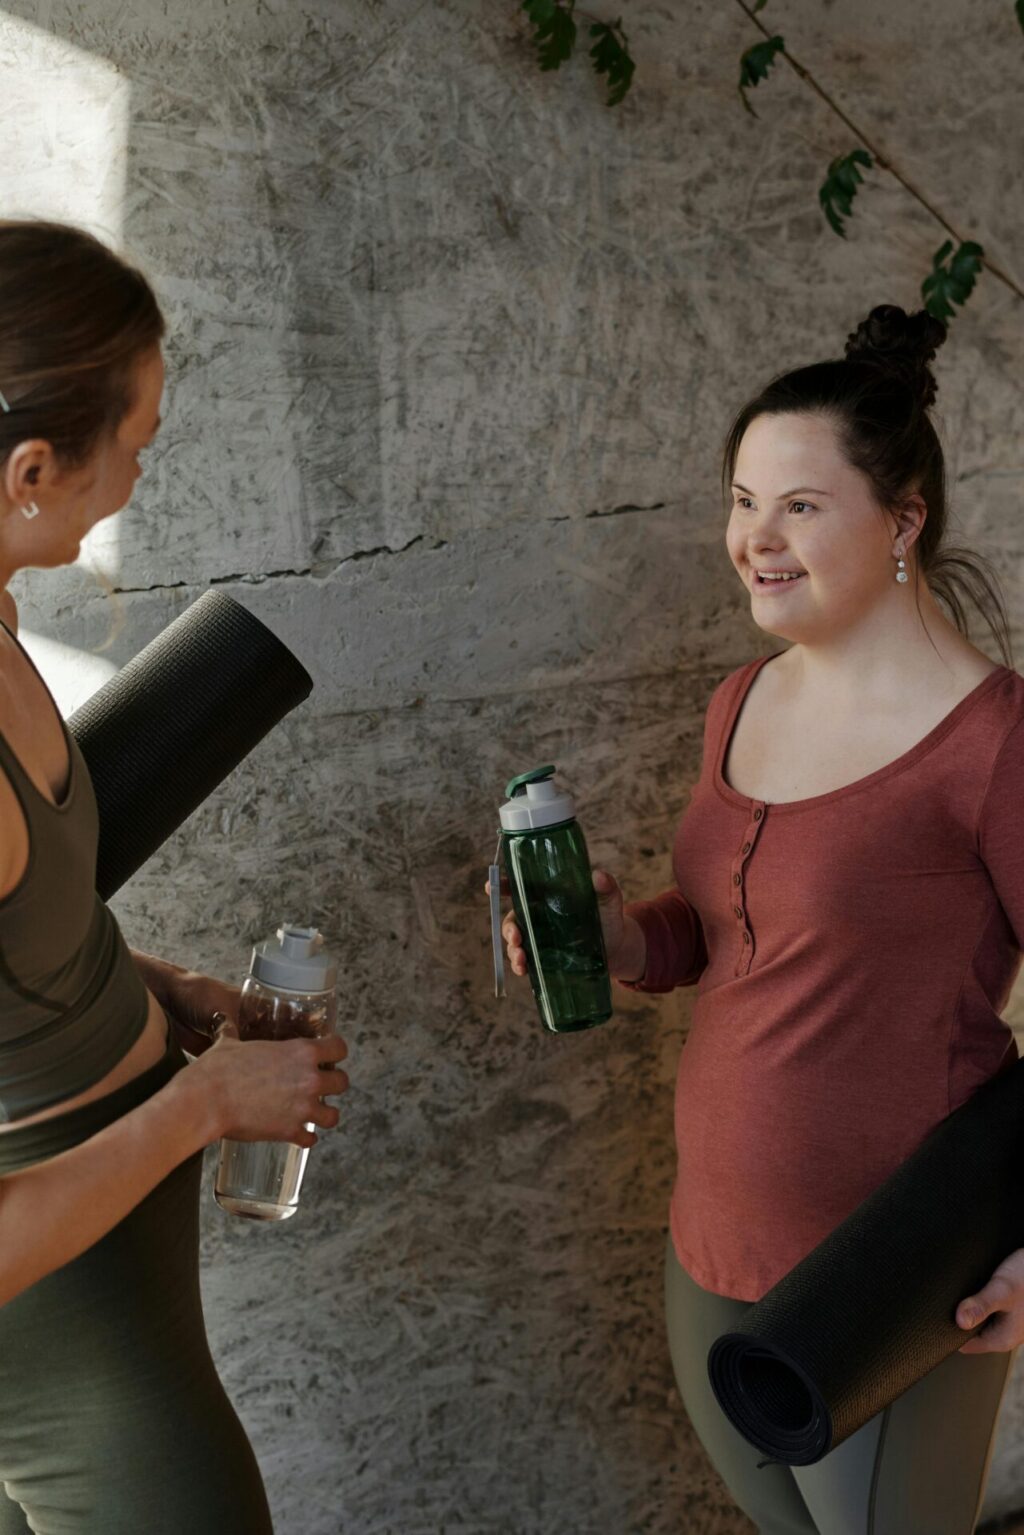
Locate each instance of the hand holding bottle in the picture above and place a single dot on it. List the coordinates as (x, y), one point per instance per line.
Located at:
(289, 1006)
(624, 941)
(268, 1090)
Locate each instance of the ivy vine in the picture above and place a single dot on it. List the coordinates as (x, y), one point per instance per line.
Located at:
(555, 36)
(957, 262)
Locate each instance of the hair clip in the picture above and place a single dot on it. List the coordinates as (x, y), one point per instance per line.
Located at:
(4, 404)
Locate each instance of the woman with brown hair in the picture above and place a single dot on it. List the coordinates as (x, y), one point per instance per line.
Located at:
(112, 1418)
(849, 903)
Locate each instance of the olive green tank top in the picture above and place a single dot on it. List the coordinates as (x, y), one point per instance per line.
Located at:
(72, 1002)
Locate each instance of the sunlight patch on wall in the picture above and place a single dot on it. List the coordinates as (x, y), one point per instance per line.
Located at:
(71, 675)
(64, 114)
(64, 117)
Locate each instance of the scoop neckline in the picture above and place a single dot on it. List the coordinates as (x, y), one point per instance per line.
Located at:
(888, 770)
(71, 783)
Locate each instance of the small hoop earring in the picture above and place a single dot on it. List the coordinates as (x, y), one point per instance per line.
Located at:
(30, 511)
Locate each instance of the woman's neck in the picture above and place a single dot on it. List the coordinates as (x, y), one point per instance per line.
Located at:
(882, 662)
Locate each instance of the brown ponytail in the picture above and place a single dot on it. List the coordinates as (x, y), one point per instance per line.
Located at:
(878, 395)
(74, 320)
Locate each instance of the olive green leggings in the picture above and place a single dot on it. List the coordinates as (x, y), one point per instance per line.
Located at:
(113, 1420)
(916, 1468)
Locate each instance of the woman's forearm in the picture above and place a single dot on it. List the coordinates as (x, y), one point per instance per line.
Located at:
(51, 1212)
(156, 974)
(633, 962)
(190, 1001)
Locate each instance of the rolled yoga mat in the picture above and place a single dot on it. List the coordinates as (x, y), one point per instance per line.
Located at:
(873, 1308)
(170, 726)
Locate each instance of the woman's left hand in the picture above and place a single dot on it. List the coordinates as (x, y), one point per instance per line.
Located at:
(1002, 1299)
(189, 999)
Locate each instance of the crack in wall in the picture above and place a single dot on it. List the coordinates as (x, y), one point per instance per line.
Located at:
(321, 568)
(247, 576)
(618, 511)
(318, 570)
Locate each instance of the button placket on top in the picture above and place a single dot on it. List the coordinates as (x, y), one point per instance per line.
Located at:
(737, 893)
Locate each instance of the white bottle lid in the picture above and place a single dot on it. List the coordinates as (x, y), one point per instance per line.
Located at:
(294, 960)
(535, 802)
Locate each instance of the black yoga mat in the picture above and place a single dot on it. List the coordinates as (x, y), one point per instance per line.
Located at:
(170, 726)
(873, 1308)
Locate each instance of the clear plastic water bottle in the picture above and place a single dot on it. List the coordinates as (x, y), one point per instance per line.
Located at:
(289, 993)
(553, 896)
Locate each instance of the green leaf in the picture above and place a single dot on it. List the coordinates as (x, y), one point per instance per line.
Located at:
(762, 3)
(755, 64)
(839, 188)
(612, 58)
(1020, 13)
(555, 30)
(946, 286)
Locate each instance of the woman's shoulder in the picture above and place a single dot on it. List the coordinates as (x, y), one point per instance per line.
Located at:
(989, 719)
(723, 694)
(738, 676)
(1003, 702)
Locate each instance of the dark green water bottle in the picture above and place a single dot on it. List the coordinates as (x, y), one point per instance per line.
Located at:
(553, 896)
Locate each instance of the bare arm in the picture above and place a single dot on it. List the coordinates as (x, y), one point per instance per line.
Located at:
(189, 1000)
(633, 954)
(157, 974)
(51, 1212)
(256, 1090)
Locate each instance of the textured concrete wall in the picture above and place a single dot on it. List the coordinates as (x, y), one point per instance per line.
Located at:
(453, 348)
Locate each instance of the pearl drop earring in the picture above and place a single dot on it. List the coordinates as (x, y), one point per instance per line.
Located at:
(901, 574)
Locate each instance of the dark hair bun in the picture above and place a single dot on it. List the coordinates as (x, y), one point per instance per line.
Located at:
(900, 344)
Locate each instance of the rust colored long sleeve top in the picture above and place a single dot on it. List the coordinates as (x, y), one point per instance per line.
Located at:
(853, 953)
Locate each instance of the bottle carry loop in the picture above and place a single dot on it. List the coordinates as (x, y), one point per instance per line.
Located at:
(494, 878)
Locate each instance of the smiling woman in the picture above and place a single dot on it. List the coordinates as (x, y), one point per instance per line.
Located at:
(863, 421)
(848, 899)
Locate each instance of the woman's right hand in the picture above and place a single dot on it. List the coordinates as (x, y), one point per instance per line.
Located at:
(268, 1090)
(624, 942)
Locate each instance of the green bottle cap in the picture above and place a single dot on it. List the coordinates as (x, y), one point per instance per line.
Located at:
(518, 785)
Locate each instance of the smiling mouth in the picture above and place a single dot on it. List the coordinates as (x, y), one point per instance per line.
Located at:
(785, 581)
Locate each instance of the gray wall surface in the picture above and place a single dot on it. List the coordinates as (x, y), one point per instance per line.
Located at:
(452, 351)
